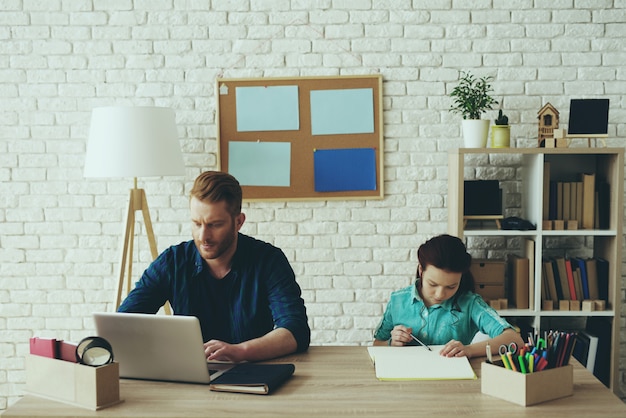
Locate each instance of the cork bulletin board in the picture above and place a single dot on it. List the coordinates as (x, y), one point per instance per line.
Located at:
(303, 138)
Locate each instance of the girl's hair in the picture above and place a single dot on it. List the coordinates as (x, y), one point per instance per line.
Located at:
(217, 186)
(448, 253)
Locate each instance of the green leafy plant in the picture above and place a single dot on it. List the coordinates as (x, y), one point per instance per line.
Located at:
(472, 96)
(502, 119)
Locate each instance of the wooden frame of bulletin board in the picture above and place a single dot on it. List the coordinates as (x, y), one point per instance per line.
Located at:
(303, 138)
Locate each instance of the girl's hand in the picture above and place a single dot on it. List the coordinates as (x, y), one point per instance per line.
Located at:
(400, 335)
(454, 348)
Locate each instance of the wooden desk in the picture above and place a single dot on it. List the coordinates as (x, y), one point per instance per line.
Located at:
(335, 381)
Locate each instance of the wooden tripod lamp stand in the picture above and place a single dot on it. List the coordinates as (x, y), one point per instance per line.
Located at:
(133, 142)
(136, 202)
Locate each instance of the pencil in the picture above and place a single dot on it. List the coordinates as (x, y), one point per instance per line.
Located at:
(416, 339)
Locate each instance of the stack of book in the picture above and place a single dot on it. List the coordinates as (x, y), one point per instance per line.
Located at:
(574, 280)
(580, 204)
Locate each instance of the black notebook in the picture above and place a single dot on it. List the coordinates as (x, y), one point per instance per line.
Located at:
(254, 378)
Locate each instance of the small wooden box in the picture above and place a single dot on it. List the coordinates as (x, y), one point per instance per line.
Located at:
(73, 383)
(588, 306)
(527, 389)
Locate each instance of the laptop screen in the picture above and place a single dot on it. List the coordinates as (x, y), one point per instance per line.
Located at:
(157, 347)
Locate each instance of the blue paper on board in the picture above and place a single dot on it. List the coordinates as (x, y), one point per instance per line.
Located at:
(349, 169)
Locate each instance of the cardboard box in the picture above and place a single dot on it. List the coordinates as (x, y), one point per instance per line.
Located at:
(489, 278)
(73, 383)
(527, 389)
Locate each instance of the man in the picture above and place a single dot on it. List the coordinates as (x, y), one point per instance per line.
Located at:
(241, 289)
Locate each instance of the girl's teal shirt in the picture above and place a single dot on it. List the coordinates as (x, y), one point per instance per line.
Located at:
(458, 318)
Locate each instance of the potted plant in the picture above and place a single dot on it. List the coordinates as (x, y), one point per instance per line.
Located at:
(471, 99)
(501, 132)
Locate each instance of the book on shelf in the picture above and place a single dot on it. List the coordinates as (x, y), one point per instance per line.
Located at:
(545, 291)
(562, 275)
(579, 203)
(603, 210)
(592, 278)
(546, 191)
(255, 378)
(557, 281)
(572, 202)
(566, 200)
(578, 283)
(582, 268)
(552, 201)
(588, 217)
(551, 293)
(529, 253)
(602, 269)
(518, 274)
(570, 279)
(559, 200)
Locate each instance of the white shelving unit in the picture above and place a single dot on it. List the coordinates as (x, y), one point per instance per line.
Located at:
(608, 163)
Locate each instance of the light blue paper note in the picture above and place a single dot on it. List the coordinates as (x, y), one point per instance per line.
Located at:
(260, 163)
(345, 111)
(270, 108)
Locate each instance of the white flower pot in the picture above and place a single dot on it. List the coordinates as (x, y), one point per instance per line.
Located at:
(475, 132)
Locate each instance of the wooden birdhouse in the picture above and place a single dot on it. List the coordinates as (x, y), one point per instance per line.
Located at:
(548, 121)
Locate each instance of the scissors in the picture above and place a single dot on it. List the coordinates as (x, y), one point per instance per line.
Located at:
(507, 352)
(510, 349)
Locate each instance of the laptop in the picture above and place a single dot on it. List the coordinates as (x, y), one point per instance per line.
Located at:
(158, 347)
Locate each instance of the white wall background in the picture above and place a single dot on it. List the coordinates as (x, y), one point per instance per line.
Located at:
(59, 232)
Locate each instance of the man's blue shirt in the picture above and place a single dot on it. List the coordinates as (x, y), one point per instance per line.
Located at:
(262, 294)
(458, 319)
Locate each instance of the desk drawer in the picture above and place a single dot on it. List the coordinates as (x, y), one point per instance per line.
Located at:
(490, 292)
(489, 277)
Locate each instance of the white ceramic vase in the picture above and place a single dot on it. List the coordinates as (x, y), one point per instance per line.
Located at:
(475, 132)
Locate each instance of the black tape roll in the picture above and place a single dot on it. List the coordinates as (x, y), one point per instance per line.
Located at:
(94, 351)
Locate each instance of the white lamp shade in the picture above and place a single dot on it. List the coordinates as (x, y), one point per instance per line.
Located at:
(133, 142)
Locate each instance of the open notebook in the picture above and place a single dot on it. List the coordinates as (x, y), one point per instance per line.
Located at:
(417, 363)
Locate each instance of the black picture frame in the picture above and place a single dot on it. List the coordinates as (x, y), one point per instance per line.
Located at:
(588, 118)
(482, 198)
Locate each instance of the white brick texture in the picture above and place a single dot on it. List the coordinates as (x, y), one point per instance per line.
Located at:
(59, 232)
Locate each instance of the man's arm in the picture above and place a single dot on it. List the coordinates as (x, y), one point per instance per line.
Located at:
(286, 303)
(276, 343)
(150, 291)
(145, 297)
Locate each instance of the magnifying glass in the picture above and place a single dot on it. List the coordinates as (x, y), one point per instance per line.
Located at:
(94, 351)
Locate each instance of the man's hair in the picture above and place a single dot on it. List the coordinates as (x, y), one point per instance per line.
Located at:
(217, 186)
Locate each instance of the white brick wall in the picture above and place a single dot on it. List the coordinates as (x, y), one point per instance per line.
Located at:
(59, 232)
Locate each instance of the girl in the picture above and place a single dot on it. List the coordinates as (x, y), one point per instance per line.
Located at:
(442, 308)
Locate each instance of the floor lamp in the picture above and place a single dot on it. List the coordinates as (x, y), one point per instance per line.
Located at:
(133, 142)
